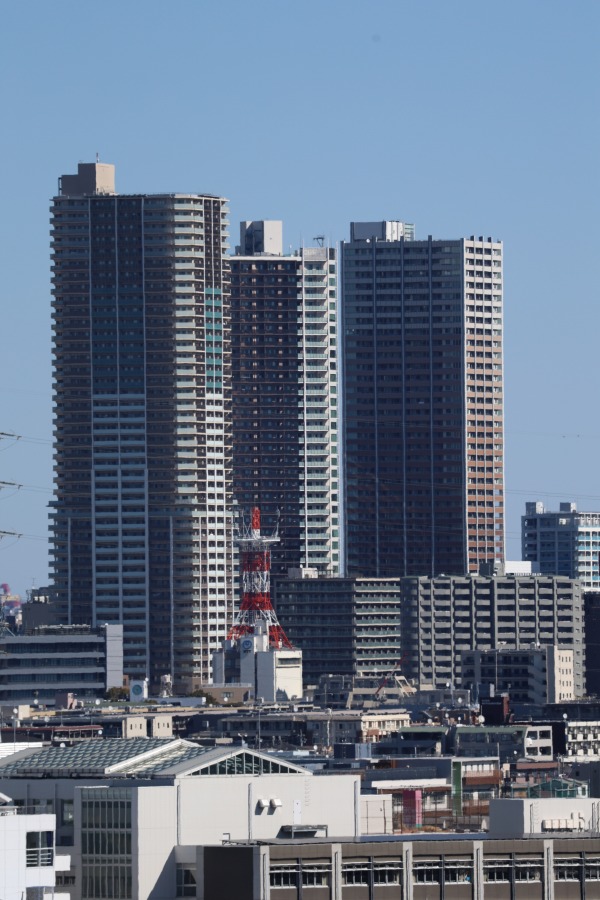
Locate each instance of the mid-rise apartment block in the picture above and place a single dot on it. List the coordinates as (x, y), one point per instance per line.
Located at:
(422, 361)
(566, 542)
(535, 675)
(141, 522)
(285, 404)
(444, 617)
(344, 626)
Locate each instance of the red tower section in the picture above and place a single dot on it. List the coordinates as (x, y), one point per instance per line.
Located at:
(256, 603)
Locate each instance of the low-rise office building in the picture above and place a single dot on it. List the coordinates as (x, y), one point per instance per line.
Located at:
(509, 742)
(552, 866)
(273, 728)
(132, 812)
(34, 667)
(536, 676)
(583, 739)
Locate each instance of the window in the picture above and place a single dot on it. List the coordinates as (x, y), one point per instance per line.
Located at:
(316, 876)
(458, 870)
(592, 868)
(355, 873)
(528, 868)
(66, 812)
(186, 881)
(497, 870)
(386, 872)
(427, 871)
(284, 876)
(567, 868)
(39, 848)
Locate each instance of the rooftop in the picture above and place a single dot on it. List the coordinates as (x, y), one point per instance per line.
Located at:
(142, 758)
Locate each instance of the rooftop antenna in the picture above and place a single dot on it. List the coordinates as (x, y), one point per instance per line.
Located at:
(320, 239)
(97, 157)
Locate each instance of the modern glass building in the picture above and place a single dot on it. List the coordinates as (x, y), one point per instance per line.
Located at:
(285, 412)
(423, 428)
(141, 532)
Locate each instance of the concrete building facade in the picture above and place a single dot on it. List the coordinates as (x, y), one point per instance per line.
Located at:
(28, 859)
(141, 522)
(443, 617)
(422, 363)
(344, 626)
(35, 667)
(552, 866)
(131, 813)
(533, 676)
(566, 542)
(273, 674)
(285, 403)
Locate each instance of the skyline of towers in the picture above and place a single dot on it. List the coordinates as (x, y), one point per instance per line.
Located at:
(284, 390)
(422, 366)
(141, 520)
(186, 381)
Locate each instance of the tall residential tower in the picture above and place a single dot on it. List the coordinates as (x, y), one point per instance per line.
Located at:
(285, 413)
(142, 532)
(423, 403)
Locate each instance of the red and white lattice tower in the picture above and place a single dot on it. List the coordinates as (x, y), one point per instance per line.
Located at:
(256, 603)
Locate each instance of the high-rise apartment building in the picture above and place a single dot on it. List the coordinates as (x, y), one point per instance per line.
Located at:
(141, 528)
(566, 542)
(423, 404)
(285, 413)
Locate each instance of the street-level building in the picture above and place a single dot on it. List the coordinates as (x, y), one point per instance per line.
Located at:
(141, 517)
(422, 363)
(285, 402)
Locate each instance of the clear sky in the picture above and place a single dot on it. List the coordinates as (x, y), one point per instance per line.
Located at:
(464, 117)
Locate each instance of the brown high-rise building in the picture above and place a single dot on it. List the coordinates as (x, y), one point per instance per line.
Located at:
(141, 522)
(422, 372)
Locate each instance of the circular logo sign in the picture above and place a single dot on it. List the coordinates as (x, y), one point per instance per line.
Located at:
(246, 645)
(136, 689)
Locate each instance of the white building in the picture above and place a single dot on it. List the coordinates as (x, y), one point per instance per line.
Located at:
(583, 739)
(548, 814)
(28, 859)
(131, 813)
(274, 675)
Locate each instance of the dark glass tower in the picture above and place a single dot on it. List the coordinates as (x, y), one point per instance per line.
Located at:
(141, 529)
(423, 402)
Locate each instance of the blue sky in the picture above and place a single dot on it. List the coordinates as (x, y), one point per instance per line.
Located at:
(463, 117)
